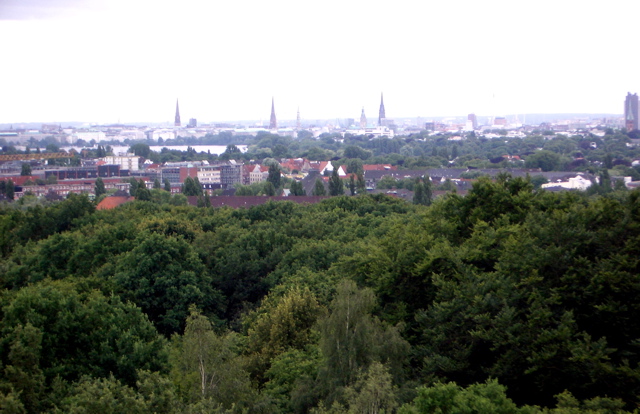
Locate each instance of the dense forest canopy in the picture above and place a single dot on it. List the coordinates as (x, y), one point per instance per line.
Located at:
(506, 300)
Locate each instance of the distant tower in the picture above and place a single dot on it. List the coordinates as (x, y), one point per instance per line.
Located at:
(474, 120)
(297, 120)
(363, 119)
(177, 122)
(381, 115)
(631, 112)
(273, 124)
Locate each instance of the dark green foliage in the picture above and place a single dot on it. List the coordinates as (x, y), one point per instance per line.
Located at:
(191, 187)
(54, 329)
(269, 189)
(352, 185)
(422, 191)
(133, 187)
(297, 189)
(9, 189)
(143, 193)
(535, 289)
(26, 169)
(336, 187)
(361, 184)
(318, 189)
(545, 160)
(163, 276)
(140, 149)
(274, 176)
(99, 188)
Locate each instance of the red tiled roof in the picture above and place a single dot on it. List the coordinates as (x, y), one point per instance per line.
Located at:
(112, 202)
(20, 179)
(378, 167)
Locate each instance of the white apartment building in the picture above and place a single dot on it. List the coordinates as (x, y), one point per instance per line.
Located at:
(209, 175)
(126, 162)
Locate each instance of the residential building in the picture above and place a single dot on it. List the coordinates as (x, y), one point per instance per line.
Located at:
(209, 175)
(126, 162)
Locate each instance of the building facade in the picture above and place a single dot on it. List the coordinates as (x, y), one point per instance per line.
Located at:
(631, 113)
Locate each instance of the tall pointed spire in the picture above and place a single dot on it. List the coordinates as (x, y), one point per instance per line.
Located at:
(177, 122)
(273, 124)
(363, 119)
(381, 115)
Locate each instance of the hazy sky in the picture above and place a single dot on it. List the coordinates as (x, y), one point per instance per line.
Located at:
(128, 60)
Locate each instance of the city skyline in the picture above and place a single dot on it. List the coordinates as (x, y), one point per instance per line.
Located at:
(109, 62)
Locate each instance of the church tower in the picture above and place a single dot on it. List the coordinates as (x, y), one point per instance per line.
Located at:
(273, 124)
(363, 119)
(381, 115)
(177, 121)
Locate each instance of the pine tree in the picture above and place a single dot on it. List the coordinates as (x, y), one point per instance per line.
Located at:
(26, 169)
(297, 189)
(9, 190)
(318, 189)
(269, 189)
(143, 192)
(133, 187)
(352, 185)
(99, 188)
(422, 192)
(361, 184)
(336, 187)
(192, 187)
(274, 177)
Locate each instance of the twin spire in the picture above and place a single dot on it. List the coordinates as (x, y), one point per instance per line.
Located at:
(381, 114)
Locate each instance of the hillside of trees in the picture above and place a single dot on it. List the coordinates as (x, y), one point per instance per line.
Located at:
(507, 300)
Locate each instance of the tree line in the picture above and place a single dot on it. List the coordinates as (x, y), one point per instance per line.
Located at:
(506, 300)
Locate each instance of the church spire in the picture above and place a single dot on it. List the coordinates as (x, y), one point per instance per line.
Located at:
(273, 124)
(363, 119)
(381, 115)
(177, 122)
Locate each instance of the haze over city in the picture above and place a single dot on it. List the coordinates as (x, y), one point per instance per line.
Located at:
(128, 61)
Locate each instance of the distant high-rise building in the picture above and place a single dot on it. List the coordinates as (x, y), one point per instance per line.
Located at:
(298, 120)
(363, 119)
(193, 123)
(631, 113)
(177, 122)
(273, 124)
(381, 114)
(473, 119)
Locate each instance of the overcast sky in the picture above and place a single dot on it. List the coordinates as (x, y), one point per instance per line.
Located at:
(128, 60)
